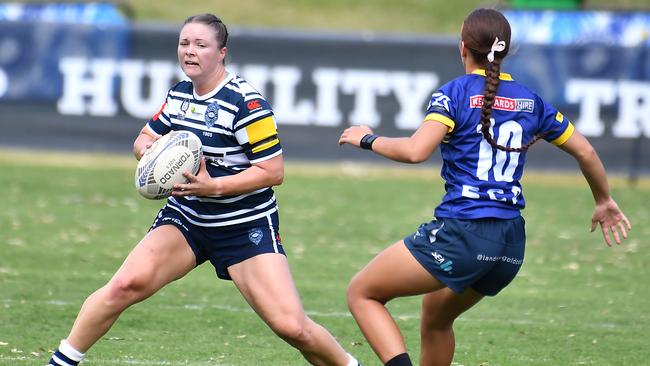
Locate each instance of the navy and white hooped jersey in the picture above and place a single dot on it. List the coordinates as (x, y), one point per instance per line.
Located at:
(237, 129)
(481, 181)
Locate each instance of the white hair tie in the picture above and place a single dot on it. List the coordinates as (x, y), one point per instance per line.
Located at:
(497, 46)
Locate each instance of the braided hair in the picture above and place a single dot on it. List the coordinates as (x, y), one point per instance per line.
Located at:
(486, 33)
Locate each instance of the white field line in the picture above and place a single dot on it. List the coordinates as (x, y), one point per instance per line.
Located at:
(130, 361)
(340, 314)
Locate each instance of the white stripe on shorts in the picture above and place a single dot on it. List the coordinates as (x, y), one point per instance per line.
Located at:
(275, 243)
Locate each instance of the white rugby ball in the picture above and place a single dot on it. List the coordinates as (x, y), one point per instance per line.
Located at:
(163, 164)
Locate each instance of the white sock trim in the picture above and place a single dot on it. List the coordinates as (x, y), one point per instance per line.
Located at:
(353, 361)
(70, 352)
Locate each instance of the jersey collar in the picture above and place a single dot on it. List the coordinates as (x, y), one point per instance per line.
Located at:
(210, 94)
(502, 76)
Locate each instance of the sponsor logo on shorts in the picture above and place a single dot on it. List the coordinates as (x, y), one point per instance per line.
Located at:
(255, 236)
(445, 264)
(175, 221)
(434, 232)
(499, 258)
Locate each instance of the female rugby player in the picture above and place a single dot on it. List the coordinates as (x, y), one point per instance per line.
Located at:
(226, 214)
(484, 123)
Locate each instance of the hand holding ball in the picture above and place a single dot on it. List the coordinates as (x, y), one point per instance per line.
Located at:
(164, 163)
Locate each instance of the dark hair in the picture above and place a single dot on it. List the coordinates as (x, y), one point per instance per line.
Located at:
(481, 28)
(215, 23)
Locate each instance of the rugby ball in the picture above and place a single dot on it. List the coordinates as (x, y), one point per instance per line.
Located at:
(163, 164)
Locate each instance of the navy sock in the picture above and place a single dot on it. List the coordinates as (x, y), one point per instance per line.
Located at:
(65, 355)
(402, 359)
(59, 359)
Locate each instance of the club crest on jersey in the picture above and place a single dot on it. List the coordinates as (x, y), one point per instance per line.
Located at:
(504, 104)
(184, 107)
(255, 236)
(211, 114)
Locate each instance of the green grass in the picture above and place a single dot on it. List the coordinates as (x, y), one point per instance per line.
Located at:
(412, 16)
(68, 221)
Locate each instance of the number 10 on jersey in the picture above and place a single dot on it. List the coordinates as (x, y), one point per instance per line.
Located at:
(501, 165)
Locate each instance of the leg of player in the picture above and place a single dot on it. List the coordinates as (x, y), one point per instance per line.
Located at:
(265, 282)
(162, 256)
(439, 310)
(392, 273)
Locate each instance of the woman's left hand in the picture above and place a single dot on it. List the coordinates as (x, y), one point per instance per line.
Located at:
(352, 135)
(612, 221)
(201, 184)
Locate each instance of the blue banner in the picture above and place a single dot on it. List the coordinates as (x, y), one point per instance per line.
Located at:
(32, 52)
(579, 27)
(74, 13)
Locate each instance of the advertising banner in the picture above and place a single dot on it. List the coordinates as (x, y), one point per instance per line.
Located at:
(93, 88)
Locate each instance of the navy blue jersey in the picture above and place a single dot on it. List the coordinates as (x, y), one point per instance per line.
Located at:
(237, 129)
(481, 181)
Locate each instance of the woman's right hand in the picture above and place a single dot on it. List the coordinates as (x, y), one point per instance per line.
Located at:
(142, 143)
(352, 135)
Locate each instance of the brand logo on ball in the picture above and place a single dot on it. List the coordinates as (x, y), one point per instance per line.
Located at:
(255, 236)
(211, 114)
(174, 167)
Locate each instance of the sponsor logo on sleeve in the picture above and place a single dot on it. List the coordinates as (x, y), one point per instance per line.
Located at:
(253, 105)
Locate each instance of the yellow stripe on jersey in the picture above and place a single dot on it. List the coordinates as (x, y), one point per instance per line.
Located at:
(265, 146)
(502, 76)
(261, 130)
(565, 135)
(435, 117)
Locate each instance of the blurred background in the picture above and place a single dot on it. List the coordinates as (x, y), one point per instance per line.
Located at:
(86, 76)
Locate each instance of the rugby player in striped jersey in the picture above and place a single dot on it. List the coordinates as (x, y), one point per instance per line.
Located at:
(226, 214)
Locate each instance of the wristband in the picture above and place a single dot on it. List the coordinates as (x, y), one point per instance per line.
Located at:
(367, 140)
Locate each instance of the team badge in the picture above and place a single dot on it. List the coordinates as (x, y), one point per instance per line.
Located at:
(255, 236)
(211, 114)
(184, 107)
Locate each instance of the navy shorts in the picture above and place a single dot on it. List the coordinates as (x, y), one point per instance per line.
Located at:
(484, 254)
(224, 246)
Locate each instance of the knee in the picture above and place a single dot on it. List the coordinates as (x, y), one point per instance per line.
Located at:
(353, 295)
(431, 323)
(359, 292)
(124, 290)
(293, 329)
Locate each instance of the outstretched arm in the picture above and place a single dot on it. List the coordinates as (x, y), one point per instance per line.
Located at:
(414, 149)
(607, 213)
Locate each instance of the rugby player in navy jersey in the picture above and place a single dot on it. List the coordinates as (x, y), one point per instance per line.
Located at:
(484, 123)
(226, 214)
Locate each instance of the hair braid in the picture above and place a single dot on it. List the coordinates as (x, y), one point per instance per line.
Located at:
(492, 74)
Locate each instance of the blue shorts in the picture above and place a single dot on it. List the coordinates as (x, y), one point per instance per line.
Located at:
(224, 246)
(484, 254)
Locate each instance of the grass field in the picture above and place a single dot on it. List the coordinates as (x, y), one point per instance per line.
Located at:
(411, 16)
(68, 221)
